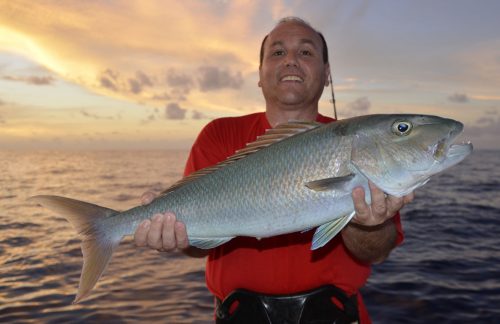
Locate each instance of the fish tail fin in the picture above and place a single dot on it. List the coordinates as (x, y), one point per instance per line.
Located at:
(97, 244)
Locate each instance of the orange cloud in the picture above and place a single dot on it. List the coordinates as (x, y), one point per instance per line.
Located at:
(105, 46)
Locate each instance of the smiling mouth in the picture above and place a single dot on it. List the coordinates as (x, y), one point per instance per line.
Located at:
(293, 78)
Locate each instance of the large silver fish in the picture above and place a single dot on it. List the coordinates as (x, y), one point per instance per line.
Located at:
(295, 177)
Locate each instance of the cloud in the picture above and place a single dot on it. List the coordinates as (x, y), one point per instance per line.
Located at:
(141, 80)
(175, 94)
(162, 96)
(62, 37)
(144, 79)
(360, 106)
(214, 78)
(108, 79)
(33, 80)
(487, 128)
(491, 112)
(135, 86)
(198, 115)
(150, 118)
(94, 116)
(174, 111)
(458, 98)
(180, 84)
(485, 120)
(178, 80)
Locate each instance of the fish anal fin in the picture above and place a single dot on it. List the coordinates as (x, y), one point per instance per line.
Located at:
(208, 243)
(328, 231)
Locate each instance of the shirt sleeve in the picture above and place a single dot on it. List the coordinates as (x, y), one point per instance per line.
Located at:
(399, 228)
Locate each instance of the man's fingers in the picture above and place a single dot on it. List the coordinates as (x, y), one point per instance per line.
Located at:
(181, 235)
(147, 197)
(163, 233)
(409, 198)
(394, 204)
(155, 232)
(141, 234)
(168, 235)
(379, 204)
(360, 206)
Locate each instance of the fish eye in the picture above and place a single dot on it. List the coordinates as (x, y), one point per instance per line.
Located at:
(402, 128)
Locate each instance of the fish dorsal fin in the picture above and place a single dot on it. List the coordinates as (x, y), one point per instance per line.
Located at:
(271, 136)
(274, 135)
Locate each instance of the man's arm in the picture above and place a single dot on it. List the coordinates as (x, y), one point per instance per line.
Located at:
(371, 235)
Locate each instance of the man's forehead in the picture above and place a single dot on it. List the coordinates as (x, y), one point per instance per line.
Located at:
(298, 31)
(300, 41)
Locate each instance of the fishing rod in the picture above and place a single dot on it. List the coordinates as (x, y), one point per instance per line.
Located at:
(333, 94)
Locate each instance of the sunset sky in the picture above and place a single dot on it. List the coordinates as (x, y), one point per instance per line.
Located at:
(150, 74)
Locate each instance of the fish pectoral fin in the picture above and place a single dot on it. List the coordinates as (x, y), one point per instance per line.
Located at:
(336, 183)
(208, 243)
(327, 231)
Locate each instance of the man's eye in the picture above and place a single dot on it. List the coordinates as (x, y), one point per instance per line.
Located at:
(278, 53)
(306, 53)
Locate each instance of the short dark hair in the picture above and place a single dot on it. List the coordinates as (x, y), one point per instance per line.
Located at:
(305, 23)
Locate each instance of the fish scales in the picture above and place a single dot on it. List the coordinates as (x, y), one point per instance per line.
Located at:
(261, 194)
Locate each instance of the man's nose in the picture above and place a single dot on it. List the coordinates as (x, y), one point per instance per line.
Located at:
(291, 60)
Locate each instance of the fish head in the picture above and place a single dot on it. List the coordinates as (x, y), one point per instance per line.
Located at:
(400, 153)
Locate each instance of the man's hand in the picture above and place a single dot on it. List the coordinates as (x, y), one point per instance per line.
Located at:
(371, 235)
(163, 233)
(381, 209)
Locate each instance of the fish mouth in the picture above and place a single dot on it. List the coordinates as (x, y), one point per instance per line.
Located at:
(445, 148)
(459, 150)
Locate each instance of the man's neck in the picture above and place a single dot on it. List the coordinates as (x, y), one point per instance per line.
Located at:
(276, 115)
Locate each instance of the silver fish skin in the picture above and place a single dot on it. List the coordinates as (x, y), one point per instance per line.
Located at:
(296, 183)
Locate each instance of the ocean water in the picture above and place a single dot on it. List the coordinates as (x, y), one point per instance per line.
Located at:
(447, 270)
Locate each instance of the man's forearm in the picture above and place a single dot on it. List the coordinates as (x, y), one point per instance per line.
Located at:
(370, 244)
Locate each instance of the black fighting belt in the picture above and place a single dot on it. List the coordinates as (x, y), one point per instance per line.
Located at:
(314, 306)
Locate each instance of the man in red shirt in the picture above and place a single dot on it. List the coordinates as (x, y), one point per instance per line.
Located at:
(293, 71)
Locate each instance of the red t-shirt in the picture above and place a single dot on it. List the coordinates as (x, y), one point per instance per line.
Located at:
(282, 264)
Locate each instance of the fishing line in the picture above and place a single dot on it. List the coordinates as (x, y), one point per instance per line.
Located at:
(333, 94)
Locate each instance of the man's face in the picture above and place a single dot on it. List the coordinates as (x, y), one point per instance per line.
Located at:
(292, 72)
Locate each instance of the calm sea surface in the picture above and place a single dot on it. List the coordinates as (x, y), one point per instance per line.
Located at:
(447, 270)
